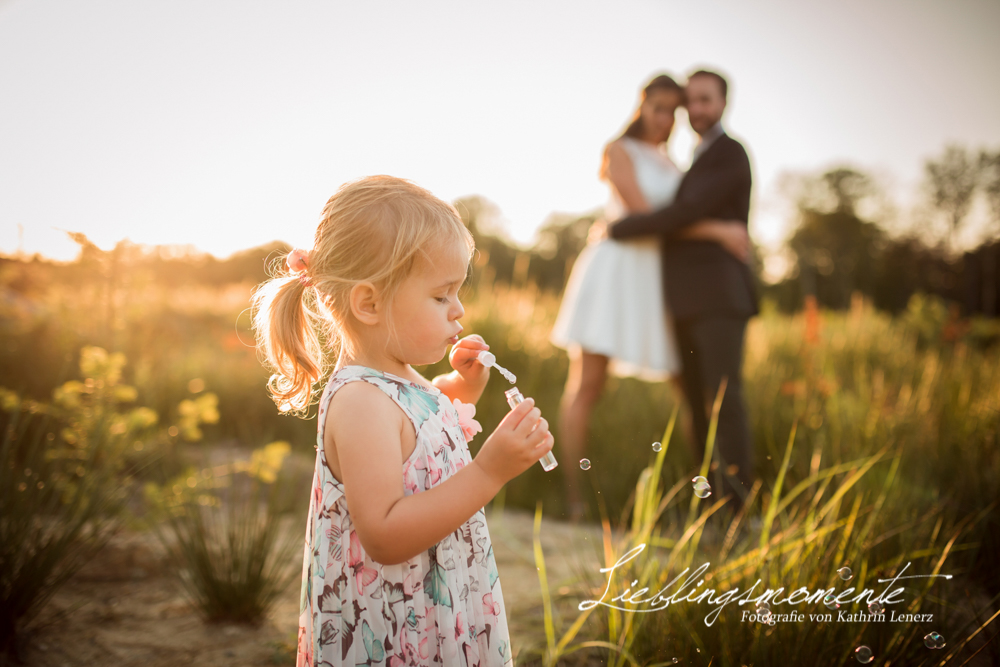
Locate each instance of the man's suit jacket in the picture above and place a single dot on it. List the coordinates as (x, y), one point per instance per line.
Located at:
(700, 278)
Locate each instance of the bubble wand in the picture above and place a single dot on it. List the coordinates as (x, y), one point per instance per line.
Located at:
(514, 397)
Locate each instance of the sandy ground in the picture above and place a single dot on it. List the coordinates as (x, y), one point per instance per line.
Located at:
(125, 608)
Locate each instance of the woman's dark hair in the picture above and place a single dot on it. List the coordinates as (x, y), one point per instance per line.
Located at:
(660, 82)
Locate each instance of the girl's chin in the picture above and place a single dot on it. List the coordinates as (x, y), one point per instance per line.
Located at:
(427, 360)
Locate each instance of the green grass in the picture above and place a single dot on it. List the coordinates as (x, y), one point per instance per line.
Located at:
(223, 529)
(56, 513)
(825, 522)
(877, 443)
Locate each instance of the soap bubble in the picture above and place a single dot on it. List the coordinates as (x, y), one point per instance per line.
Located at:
(657, 446)
(675, 661)
(584, 464)
(876, 608)
(831, 602)
(763, 607)
(702, 488)
(863, 654)
(934, 640)
(845, 573)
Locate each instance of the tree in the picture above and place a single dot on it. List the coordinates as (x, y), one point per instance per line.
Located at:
(493, 249)
(989, 182)
(847, 188)
(835, 249)
(560, 239)
(951, 183)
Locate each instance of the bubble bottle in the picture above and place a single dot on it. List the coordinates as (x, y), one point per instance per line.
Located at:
(513, 398)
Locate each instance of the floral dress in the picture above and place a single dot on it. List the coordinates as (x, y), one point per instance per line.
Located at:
(441, 607)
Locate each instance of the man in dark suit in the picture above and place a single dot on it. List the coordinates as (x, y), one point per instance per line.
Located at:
(709, 292)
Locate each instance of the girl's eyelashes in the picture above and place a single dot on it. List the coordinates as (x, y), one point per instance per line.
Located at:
(446, 298)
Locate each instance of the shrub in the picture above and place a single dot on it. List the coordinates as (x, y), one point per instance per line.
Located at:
(223, 532)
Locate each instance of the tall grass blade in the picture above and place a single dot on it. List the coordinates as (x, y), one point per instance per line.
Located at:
(772, 506)
(550, 633)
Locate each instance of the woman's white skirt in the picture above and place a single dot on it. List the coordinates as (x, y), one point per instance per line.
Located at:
(613, 305)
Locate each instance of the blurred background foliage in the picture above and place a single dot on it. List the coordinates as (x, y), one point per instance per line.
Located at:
(849, 238)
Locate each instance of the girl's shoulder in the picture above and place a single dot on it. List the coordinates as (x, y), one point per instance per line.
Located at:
(357, 382)
(355, 372)
(417, 400)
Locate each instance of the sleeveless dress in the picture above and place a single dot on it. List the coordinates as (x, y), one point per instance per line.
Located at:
(613, 303)
(441, 607)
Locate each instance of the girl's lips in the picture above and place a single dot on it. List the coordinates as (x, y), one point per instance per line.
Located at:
(453, 339)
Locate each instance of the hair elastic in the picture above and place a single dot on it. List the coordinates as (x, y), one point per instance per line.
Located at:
(297, 262)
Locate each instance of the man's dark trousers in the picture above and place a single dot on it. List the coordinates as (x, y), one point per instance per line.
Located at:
(712, 349)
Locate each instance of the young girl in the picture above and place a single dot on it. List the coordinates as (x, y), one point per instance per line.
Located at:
(398, 566)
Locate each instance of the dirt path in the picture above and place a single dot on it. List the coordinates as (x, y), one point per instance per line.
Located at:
(125, 609)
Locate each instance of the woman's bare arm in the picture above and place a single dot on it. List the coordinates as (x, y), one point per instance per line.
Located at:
(621, 176)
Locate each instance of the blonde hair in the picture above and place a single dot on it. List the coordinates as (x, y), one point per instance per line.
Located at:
(371, 230)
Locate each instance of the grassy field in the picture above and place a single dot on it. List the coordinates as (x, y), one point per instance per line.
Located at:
(877, 440)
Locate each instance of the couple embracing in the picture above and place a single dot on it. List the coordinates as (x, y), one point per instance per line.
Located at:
(664, 290)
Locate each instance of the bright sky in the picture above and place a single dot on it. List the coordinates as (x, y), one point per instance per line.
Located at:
(226, 124)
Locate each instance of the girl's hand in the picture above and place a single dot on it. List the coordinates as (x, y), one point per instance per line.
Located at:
(520, 440)
(463, 359)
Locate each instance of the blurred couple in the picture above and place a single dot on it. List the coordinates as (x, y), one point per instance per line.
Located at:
(663, 289)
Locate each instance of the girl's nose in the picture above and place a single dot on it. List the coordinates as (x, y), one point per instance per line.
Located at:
(458, 311)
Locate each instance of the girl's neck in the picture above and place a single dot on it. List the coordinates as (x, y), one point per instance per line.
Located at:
(382, 363)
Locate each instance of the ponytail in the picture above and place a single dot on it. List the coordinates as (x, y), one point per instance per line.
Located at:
(286, 335)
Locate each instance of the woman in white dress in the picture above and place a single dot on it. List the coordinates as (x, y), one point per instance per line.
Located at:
(612, 316)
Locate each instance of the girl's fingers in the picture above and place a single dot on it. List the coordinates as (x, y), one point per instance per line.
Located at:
(466, 354)
(540, 433)
(515, 416)
(545, 446)
(528, 422)
(473, 342)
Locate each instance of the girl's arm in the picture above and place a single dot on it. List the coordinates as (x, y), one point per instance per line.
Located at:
(391, 526)
(468, 380)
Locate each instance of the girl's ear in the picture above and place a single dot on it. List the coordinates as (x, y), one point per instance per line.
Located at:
(365, 305)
